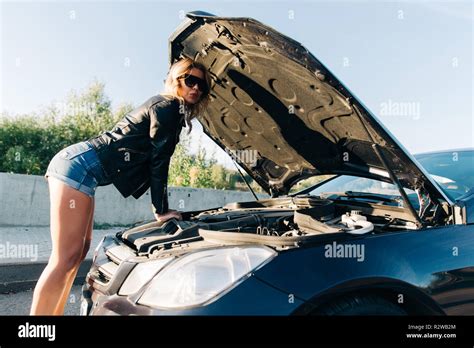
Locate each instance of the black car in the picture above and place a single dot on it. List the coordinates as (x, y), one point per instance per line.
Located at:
(382, 233)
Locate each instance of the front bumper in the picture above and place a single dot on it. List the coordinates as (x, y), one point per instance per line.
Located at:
(114, 260)
(251, 297)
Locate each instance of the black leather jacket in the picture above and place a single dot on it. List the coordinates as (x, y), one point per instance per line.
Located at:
(136, 154)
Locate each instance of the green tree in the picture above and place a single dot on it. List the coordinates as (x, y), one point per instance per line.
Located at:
(28, 142)
(219, 177)
(194, 170)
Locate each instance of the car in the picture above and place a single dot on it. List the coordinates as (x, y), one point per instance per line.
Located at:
(381, 233)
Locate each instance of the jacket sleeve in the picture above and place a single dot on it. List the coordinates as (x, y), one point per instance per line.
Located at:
(163, 122)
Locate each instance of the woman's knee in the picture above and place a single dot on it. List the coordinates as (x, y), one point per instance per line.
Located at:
(85, 249)
(67, 260)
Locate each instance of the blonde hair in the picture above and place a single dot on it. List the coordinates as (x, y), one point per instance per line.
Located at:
(178, 69)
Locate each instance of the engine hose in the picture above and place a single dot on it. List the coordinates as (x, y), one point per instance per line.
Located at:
(360, 227)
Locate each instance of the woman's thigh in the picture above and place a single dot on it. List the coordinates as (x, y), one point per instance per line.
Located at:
(70, 216)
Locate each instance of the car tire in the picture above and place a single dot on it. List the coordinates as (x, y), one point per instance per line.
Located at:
(362, 305)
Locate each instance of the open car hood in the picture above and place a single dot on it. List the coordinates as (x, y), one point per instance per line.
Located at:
(282, 114)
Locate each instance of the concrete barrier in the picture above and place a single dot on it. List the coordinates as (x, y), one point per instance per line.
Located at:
(24, 201)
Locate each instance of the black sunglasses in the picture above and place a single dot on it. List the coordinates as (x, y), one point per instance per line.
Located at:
(191, 81)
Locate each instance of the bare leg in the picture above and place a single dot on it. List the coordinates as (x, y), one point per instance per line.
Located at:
(87, 243)
(70, 212)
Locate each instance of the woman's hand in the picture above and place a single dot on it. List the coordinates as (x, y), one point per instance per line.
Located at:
(170, 214)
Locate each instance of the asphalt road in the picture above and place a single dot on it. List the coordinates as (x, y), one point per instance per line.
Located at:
(20, 303)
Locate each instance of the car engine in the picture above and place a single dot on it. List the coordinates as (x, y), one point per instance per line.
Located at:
(284, 222)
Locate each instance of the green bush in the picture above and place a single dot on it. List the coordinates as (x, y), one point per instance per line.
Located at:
(194, 170)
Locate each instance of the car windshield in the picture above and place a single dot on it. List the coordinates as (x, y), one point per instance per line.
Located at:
(346, 183)
(453, 171)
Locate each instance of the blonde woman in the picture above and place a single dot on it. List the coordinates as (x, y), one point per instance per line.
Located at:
(134, 156)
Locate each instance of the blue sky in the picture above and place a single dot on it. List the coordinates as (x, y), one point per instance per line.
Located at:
(416, 56)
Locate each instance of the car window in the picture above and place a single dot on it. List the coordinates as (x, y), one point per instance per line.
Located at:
(353, 183)
(346, 183)
(453, 171)
(308, 182)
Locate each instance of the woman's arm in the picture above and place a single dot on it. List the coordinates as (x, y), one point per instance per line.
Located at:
(164, 120)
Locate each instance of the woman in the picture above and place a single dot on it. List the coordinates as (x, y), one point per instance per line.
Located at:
(134, 156)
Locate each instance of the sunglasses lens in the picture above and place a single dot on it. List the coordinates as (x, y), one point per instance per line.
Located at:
(191, 81)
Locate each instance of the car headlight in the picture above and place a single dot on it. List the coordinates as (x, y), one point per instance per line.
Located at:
(142, 273)
(199, 277)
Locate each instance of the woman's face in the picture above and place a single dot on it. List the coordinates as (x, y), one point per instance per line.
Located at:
(192, 94)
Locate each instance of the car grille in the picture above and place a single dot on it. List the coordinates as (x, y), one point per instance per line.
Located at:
(109, 264)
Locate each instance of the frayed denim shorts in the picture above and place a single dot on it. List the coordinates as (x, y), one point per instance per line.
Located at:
(78, 166)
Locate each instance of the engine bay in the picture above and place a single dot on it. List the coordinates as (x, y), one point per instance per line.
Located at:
(296, 216)
(282, 222)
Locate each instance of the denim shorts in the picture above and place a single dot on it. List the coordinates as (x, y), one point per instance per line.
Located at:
(79, 167)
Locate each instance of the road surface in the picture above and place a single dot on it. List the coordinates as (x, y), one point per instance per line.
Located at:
(20, 303)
